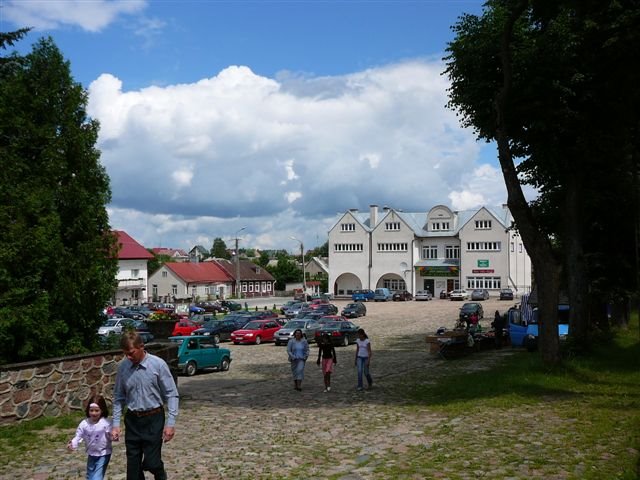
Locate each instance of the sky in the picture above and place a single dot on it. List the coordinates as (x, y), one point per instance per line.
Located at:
(266, 120)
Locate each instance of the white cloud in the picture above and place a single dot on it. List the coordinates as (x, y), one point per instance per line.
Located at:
(92, 16)
(244, 146)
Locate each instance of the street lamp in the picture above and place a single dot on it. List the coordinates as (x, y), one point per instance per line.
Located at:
(238, 294)
(304, 274)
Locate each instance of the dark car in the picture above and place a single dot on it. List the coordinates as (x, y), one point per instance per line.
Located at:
(354, 310)
(340, 332)
(143, 330)
(220, 330)
(480, 294)
(230, 305)
(444, 294)
(212, 307)
(129, 313)
(326, 308)
(401, 296)
(141, 309)
(506, 294)
(471, 307)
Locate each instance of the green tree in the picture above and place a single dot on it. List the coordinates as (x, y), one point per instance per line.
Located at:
(263, 259)
(156, 262)
(57, 255)
(286, 271)
(321, 251)
(219, 249)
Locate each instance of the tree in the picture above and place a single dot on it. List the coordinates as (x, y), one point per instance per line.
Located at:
(536, 77)
(286, 271)
(219, 249)
(321, 251)
(58, 259)
(263, 259)
(156, 262)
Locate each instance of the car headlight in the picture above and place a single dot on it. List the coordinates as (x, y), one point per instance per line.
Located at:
(206, 333)
(249, 335)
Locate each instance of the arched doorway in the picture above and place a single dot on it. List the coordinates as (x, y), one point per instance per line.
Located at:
(392, 281)
(345, 284)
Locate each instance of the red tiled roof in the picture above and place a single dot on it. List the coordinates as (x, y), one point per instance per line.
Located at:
(202, 272)
(129, 248)
(169, 251)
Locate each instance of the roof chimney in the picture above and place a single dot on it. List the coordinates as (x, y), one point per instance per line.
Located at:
(373, 215)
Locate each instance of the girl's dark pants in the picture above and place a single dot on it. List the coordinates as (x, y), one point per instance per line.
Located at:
(143, 439)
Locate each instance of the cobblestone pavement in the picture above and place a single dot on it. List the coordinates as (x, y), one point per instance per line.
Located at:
(250, 423)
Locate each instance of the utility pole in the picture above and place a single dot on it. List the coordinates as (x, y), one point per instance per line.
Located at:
(304, 273)
(238, 293)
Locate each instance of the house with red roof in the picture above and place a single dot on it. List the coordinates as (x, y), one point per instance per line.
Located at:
(255, 281)
(132, 270)
(176, 254)
(195, 281)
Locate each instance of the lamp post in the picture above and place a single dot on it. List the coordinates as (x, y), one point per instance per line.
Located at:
(304, 274)
(238, 294)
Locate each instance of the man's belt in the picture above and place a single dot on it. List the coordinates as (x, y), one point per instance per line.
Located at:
(145, 413)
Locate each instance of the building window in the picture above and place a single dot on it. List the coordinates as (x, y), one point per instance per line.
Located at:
(437, 226)
(174, 289)
(430, 252)
(513, 247)
(394, 284)
(154, 291)
(135, 273)
(347, 247)
(268, 286)
(347, 227)
(164, 274)
(483, 224)
(393, 247)
(519, 248)
(251, 286)
(244, 287)
(483, 246)
(392, 226)
(194, 291)
(484, 282)
(452, 252)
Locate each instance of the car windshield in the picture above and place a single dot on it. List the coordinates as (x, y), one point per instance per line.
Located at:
(296, 324)
(253, 326)
(352, 305)
(212, 323)
(110, 323)
(469, 308)
(331, 326)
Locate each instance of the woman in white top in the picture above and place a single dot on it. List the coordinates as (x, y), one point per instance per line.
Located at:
(363, 358)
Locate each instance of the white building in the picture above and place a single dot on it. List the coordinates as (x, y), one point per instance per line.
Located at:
(132, 271)
(436, 250)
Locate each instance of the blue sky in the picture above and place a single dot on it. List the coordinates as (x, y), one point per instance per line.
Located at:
(274, 116)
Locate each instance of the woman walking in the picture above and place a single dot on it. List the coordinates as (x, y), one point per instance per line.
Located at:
(363, 358)
(327, 351)
(298, 351)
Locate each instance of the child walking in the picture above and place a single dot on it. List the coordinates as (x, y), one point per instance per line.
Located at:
(95, 431)
(327, 351)
(363, 358)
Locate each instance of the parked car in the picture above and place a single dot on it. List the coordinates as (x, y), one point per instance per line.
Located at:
(340, 332)
(143, 330)
(115, 326)
(326, 308)
(471, 307)
(195, 309)
(286, 306)
(402, 296)
(331, 318)
(308, 327)
(506, 294)
(423, 295)
(295, 309)
(480, 294)
(141, 309)
(265, 314)
(185, 327)
(199, 352)
(354, 310)
(230, 305)
(444, 294)
(256, 331)
(203, 317)
(458, 295)
(220, 330)
(382, 295)
(212, 307)
(363, 295)
(128, 313)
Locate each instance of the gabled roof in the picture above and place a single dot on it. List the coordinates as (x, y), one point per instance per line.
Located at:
(203, 272)
(129, 249)
(200, 249)
(171, 252)
(321, 262)
(248, 270)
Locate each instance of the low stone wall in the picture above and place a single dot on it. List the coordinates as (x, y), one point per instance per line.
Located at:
(58, 386)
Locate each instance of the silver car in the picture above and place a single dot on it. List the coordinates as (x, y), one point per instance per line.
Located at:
(115, 326)
(423, 295)
(308, 327)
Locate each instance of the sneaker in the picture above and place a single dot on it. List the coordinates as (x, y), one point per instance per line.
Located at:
(359, 389)
(325, 390)
(328, 389)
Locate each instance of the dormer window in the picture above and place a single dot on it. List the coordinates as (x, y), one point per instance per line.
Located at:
(483, 224)
(439, 226)
(347, 227)
(392, 226)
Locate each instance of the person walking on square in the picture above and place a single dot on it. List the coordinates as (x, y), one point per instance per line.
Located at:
(327, 352)
(95, 432)
(498, 328)
(363, 358)
(144, 384)
(298, 352)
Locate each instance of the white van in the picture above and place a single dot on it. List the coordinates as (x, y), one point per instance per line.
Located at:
(382, 295)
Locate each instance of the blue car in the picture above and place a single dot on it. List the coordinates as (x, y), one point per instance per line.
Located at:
(362, 295)
(198, 352)
(524, 333)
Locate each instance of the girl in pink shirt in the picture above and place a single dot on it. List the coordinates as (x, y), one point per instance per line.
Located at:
(95, 432)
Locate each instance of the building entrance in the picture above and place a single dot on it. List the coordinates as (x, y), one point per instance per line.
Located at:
(428, 285)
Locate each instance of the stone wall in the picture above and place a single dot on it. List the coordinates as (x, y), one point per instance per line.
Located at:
(58, 386)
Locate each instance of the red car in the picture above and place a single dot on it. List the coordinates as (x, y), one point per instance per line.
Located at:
(256, 331)
(184, 327)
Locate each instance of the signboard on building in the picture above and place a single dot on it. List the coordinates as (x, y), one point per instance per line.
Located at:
(483, 270)
(483, 263)
(439, 271)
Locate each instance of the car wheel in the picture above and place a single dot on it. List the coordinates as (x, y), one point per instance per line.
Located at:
(224, 364)
(345, 341)
(190, 369)
(258, 340)
(216, 338)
